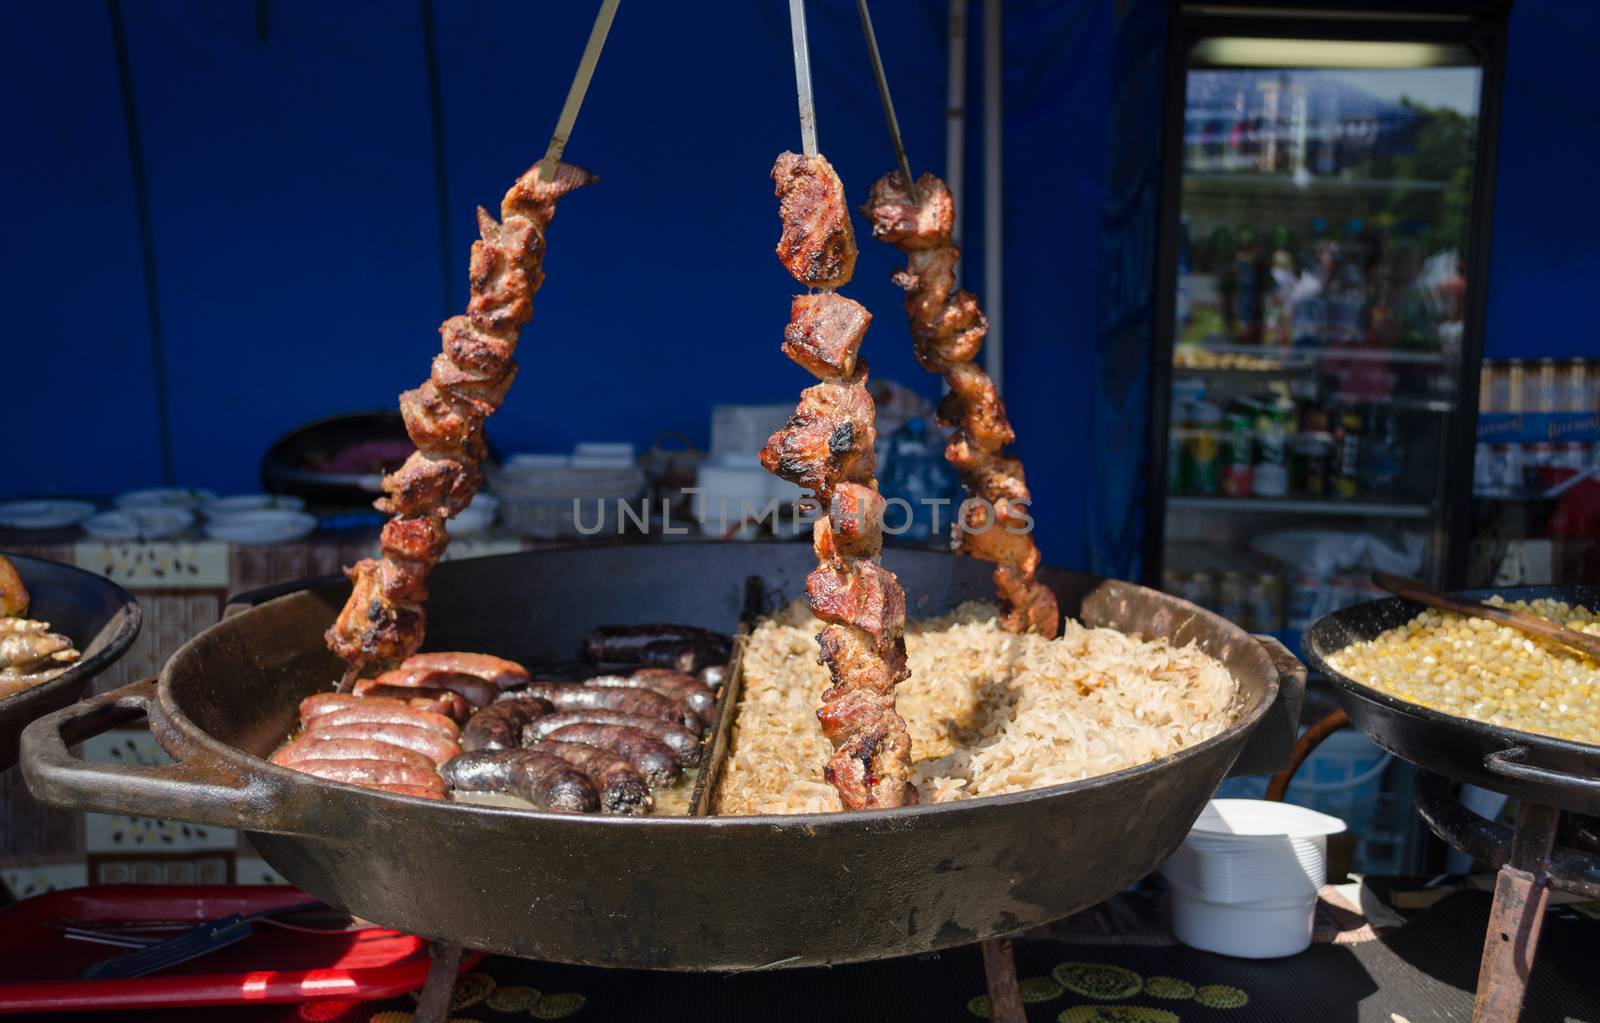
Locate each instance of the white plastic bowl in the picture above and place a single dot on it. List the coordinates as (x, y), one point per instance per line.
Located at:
(1244, 882)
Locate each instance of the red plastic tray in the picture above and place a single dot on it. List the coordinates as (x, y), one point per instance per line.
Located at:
(41, 968)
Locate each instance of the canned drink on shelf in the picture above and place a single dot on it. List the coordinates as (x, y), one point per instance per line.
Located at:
(1576, 395)
(1499, 399)
(1545, 381)
(1311, 463)
(1266, 602)
(1272, 439)
(1347, 454)
(1237, 461)
(1486, 388)
(1516, 375)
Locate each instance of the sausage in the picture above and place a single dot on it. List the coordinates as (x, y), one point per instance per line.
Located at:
(372, 773)
(471, 688)
(679, 739)
(651, 757)
(324, 747)
(411, 790)
(540, 778)
(435, 701)
(714, 675)
(622, 789)
(629, 700)
(501, 672)
(388, 712)
(685, 689)
(430, 744)
(327, 703)
(500, 725)
(660, 645)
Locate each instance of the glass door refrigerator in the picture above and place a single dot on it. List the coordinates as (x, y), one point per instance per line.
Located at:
(1320, 300)
(1321, 260)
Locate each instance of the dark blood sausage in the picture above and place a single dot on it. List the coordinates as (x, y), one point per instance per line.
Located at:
(503, 673)
(474, 690)
(714, 675)
(430, 744)
(500, 725)
(679, 739)
(685, 689)
(630, 700)
(622, 789)
(651, 757)
(387, 712)
(322, 747)
(663, 646)
(372, 773)
(436, 701)
(540, 778)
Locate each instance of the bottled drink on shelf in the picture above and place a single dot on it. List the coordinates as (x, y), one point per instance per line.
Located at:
(1575, 387)
(1246, 278)
(1347, 436)
(1347, 290)
(1239, 457)
(1272, 440)
(1515, 386)
(1278, 302)
(1383, 461)
(1544, 387)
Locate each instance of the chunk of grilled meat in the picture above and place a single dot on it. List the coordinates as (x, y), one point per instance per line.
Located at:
(13, 594)
(383, 619)
(947, 329)
(827, 447)
(818, 245)
(829, 438)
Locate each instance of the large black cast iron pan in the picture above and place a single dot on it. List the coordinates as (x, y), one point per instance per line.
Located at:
(98, 616)
(1554, 772)
(656, 892)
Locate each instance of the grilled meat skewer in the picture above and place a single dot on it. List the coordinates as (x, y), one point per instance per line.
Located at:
(948, 328)
(827, 447)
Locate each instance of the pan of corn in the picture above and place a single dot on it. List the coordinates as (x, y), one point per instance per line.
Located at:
(1471, 699)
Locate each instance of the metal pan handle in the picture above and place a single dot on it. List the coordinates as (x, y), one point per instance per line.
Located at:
(199, 788)
(1271, 748)
(1511, 763)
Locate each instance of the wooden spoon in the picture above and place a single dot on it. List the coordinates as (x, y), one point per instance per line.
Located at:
(1522, 621)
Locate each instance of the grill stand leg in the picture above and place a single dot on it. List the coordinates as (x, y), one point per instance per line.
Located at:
(1520, 893)
(434, 1005)
(1000, 971)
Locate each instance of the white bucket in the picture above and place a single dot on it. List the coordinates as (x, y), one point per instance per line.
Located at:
(1245, 880)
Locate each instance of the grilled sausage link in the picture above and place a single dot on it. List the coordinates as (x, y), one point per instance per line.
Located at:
(503, 673)
(623, 790)
(540, 778)
(651, 757)
(323, 747)
(373, 773)
(378, 711)
(422, 740)
(686, 689)
(474, 690)
(630, 700)
(660, 645)
(680, 740)
(500, 725)
(435, 701)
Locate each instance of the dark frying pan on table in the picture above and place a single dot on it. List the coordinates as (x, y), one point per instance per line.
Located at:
(100, 618)
(671, 893)
(1542, 768)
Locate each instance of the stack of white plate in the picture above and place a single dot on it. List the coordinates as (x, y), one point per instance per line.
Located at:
(257, 518)
(1244, 882)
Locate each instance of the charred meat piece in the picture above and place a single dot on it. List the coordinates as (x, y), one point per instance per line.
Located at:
(684, 743)
(873, 768)
(429, 485)
(651, 757)
(828, 439)
(500, 725)
(908, 225)
(632, 700)
(442, 425)
(818, 245)
(825, 332)
(371, 626)
(542, 779)
(862, 594)
(854, 660)
(622, 789)
(13, 594)
(853, 527)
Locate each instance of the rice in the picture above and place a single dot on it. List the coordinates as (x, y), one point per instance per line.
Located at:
(989, 712)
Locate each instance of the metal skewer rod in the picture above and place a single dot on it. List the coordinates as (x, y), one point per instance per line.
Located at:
(802, 77)
(887, 100)
(580, 87)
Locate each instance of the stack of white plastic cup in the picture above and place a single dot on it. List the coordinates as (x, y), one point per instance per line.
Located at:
(1244, 882)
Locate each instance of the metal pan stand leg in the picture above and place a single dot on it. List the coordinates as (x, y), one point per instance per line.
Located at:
(1000, 971)
(434, 1006)
(1520, 893)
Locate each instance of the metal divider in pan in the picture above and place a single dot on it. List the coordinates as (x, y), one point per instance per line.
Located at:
(705, 786)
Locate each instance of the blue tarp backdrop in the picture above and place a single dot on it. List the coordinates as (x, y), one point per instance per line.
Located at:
(295, 181)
